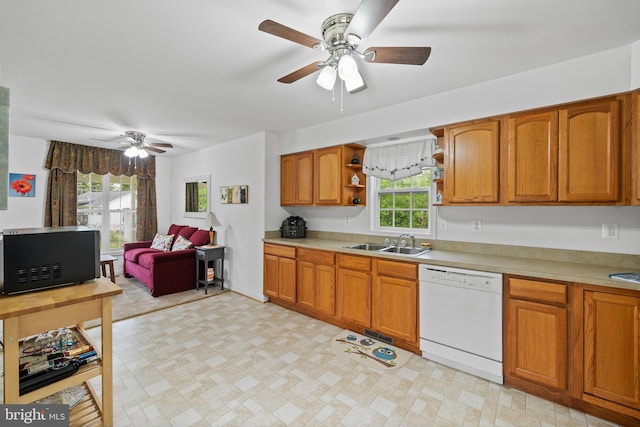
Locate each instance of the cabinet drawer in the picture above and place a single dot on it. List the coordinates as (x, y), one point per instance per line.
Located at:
(279, 250)
(315, 256)
(354, 262)
(405, 270)
(538, 291)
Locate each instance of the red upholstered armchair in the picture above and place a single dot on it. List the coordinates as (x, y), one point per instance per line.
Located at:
(165, 272)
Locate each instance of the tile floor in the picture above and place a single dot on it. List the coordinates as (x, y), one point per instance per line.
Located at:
(229, 360)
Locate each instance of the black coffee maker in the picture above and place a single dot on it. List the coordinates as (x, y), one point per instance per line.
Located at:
(294, 227)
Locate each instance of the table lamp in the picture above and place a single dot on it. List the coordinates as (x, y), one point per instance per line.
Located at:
(213, 222)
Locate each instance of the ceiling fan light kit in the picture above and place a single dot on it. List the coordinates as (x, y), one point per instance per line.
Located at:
(342, 33)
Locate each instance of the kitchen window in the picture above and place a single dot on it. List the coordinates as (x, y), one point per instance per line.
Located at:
(403, 205)
(108, 203)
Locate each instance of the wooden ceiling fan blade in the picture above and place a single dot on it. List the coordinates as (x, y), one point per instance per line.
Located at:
(159, 144)
(368, 16)
(154, 149)
(398, 55)
(300, 73)
(272, 27)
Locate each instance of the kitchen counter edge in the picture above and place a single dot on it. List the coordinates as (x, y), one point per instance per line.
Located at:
(543, 269)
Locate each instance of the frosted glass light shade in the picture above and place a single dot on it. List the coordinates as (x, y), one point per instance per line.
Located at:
(142, 153)
(347, 67)
(327, 78)
(355, 83)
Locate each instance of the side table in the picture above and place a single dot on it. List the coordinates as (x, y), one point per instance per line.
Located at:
(107, 260)
(208, 254)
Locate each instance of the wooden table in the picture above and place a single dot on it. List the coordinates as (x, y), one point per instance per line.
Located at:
(107, 260)
(28, 314)
(208, 254)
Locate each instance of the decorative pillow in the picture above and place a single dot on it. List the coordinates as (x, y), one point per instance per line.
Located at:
(162, 242)
(200, 237)
(187, 231)
(181, 243)
(175, 229)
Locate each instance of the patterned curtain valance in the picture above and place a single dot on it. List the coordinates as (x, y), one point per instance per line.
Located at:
(398, 161)
(73, 157)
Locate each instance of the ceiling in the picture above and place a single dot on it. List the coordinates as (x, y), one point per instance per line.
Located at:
(198, 72)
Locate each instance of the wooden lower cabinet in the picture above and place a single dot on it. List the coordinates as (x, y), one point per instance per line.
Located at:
(575, 344)
(353, 290)
(280, 272)
(316, 281)
(611, 347)
(536, 334)
(395, 300)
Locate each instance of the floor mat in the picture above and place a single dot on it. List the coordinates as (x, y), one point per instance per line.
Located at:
(373, 353)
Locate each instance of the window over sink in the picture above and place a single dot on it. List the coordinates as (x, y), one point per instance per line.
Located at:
(403, 205)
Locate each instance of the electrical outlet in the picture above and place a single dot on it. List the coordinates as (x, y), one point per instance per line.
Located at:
(347, 220)
(476, 225)
(610, 231)
(443, 225)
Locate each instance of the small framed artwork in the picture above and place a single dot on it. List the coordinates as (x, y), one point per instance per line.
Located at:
(22, 185)
(224, 195)
(234, 194)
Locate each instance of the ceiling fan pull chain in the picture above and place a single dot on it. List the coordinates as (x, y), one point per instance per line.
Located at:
(341, 96)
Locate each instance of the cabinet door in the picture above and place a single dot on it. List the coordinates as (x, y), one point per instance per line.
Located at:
(270, 286)
(307, 285)
(325, 289)
(536, 347)
(353, 296)
(288, 180)
(304, 178)
(472, 166)
(635, 138)
(532, 158)
(296, 179)
(328, 172)
(611, 347)
(287, 279)
(395, 308)
(589, 168)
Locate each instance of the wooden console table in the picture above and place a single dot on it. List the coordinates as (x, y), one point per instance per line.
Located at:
(31, 313)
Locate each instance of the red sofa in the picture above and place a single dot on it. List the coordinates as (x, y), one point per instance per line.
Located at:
(165, 272)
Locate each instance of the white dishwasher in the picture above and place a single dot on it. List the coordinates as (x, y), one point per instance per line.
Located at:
(461, 319)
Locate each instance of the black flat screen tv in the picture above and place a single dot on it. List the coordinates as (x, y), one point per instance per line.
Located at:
(40, 258)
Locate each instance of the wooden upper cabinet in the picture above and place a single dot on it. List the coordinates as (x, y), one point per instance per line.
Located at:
(296, 179)
(532, 158)
(328, 170)
(472, 163)
(611, 347)
(589, 155)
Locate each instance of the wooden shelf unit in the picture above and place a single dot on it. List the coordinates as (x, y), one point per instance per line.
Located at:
(31, 313)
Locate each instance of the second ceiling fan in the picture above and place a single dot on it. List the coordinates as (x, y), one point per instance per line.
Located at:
(342, 33)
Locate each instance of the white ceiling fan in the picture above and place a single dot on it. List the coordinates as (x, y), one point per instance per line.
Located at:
(137, 145)
(342, 33)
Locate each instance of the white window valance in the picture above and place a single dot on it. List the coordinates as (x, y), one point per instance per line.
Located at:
(398, 161)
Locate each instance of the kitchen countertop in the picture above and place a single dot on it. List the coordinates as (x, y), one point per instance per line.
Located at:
(586, 272)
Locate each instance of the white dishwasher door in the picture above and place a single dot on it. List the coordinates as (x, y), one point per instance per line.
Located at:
(463, 319)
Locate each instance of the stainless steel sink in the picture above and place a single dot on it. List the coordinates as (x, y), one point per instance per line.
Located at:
(367, 246)
(389, 249)
(404, 250)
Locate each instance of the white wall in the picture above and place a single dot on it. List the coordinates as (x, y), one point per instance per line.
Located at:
(608, 72)
(26, 155)
(238, 162)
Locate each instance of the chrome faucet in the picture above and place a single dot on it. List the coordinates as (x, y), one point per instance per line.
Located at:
(411, 236)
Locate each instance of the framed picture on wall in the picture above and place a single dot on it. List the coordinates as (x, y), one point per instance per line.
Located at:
(234, 194)
(22, 185)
